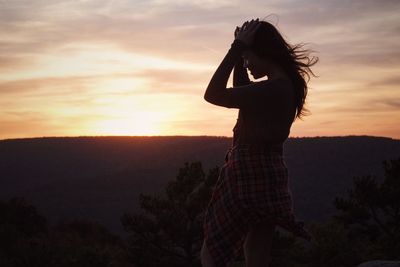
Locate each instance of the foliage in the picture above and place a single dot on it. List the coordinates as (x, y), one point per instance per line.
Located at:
(372, 211)
(365, 227)
(332, 246)
(169, 231)
(287, 251)
(27, 241)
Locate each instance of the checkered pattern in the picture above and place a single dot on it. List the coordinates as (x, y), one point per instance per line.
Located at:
(252, 186)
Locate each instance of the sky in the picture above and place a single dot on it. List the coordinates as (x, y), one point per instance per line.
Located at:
(119, 67)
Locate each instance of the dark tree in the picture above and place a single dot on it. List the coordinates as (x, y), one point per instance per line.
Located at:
(20, 223)
(19, 214)
(169, 230)
(84, 243)
(372, 210)
(27, 241)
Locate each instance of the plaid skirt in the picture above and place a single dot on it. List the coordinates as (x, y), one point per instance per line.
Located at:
(252, 186)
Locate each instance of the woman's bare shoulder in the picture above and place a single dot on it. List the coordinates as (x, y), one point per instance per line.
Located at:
(280, 85)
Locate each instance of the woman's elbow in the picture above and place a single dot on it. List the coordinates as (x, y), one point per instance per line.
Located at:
(216, 100)
(205, 96)
(209, 98)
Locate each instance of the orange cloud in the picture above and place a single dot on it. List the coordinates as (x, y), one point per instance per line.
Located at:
(98, 66)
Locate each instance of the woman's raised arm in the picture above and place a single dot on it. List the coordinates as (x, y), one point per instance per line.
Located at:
(216, 89)
(240, 76)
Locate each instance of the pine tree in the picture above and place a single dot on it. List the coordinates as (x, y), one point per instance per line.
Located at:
(372, 210)
(169, 230)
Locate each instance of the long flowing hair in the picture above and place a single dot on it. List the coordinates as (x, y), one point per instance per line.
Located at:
(294, 59)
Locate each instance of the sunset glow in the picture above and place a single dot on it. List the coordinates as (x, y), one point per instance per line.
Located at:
(102, 67)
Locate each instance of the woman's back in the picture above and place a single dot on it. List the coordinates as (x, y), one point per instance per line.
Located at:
(267, 118)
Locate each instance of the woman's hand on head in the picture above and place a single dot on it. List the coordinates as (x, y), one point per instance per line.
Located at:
(247, 31)
(236, 31)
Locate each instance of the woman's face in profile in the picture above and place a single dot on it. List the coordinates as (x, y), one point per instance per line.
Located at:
(254, 64)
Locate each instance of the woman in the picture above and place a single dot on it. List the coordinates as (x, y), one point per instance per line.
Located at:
(251, 196)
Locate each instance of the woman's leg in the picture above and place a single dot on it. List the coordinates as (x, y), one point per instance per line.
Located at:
(205, 257)
(257, 245)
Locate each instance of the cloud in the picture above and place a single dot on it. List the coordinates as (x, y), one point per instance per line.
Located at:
(394, 103)
(351, 33)
(74, 53)
(315, 14)
(20, 124)
(392, 81)
(23, 123)
(50, 86)
(173, 81)
(9, 63)
(344, 31)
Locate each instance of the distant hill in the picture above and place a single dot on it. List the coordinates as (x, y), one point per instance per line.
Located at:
(99, 178)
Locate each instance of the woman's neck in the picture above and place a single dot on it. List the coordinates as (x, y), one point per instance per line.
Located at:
(275, 72)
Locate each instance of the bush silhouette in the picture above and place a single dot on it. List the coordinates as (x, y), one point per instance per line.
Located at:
(366, 226)
(169, 230)
(372, 210)
(27, 241)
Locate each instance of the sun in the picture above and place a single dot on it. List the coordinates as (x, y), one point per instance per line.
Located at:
(139, 123)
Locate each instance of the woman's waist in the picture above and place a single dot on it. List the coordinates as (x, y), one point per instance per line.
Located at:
(243, 150)
(265, 147)
(259, 138)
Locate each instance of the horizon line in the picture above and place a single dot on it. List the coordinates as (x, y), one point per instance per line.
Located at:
(157, 136)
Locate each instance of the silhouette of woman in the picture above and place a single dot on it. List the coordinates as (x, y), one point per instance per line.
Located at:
(251, 196)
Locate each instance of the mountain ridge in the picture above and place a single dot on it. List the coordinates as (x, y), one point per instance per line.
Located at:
(101, 177)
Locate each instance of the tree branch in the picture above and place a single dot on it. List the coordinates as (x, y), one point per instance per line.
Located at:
(172, 253)
(378, 221)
